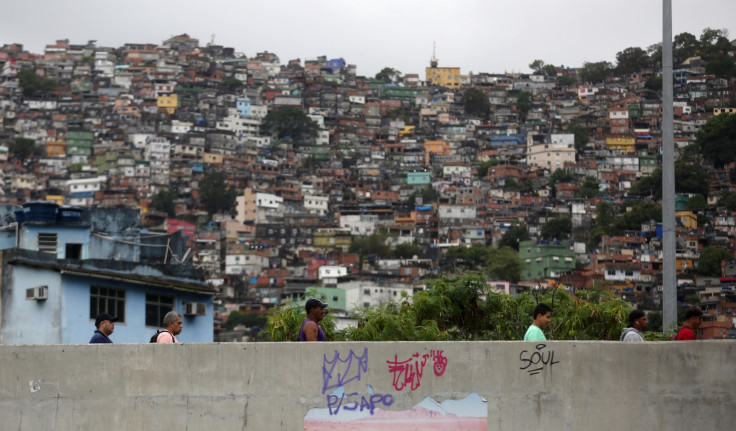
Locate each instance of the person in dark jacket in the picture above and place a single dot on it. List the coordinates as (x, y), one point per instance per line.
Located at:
(105, 326)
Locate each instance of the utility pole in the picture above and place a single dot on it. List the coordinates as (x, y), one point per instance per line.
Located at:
(669, 241)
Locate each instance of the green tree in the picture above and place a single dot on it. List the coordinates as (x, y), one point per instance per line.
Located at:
(689, 178)
(474, 256)
(595, 72)
(722, 66)
(405, 251)
(540, 68)
(510, 183)
(389, 75)
(232, 84)
(696, 203)
(483, 168)
(684, 46)
(605, 217)
(217, 196)
(463, 307)
(655, 55)
(654, 83)
(582, 137)
(709, 262)
(515, 234)
(402, 114)
(371, 245)
(565, 81)
(589, 188)
(557, 228)
(249, 320)
(640, 212)
(428, 195)
(163, 200)
(537, 66)
(717, 139)
(290, 123)
(727, 199)
(560, 176)
(33, 85)
(476, 103)
(524, 103)
(631, 60)
(23, 148)
(504, 264)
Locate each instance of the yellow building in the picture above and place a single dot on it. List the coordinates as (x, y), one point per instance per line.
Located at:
(327, 238)
(435, 147)
(443, 76)
(59, 199)
(686, 219)
(55, 148)
(624, 144)
(170, 102)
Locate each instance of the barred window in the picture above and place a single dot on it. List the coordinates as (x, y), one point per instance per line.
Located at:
(107, 300)
(156, 308)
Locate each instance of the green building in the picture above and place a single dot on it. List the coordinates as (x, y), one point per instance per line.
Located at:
(545, 260)
(418, 178)
(79, 142)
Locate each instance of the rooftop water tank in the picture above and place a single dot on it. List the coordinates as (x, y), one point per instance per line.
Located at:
(40, 211)
(69, 214)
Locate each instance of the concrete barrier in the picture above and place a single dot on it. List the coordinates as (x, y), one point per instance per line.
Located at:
(557, 385)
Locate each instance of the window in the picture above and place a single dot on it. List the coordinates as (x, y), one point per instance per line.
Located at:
(366, 292)
(73, 251)
(611, 272)
(629, 272)
(107, 300)
(156, 308)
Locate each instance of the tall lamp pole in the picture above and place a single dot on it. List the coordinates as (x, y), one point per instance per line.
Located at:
(669, 241)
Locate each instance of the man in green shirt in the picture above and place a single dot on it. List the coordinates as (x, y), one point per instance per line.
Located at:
(542, 314)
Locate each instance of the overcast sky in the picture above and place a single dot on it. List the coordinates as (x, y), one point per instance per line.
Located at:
(475, 35)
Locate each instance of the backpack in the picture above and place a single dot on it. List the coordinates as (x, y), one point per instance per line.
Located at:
(154, 338)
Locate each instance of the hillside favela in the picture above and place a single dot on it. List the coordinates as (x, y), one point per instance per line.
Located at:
(427, 204)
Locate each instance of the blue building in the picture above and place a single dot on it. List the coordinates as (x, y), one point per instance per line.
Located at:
(63, 266)
(242, 104)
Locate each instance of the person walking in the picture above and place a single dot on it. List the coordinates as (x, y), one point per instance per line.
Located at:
(310, 330)
(542, 314)
(105, 325)
(637, 325)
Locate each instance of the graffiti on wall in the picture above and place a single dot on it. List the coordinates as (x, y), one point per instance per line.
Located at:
(538, 360)
(338, 371)
(368, 409)
(410, 371)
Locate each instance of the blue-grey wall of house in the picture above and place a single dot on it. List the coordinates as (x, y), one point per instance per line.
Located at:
(65, 316)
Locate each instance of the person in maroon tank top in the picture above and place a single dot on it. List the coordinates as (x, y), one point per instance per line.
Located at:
(310, 330)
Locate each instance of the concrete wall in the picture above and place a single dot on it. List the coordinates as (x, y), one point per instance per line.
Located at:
(274, 386)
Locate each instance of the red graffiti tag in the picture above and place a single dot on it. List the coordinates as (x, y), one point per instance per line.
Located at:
(440, 362)
(409, 372)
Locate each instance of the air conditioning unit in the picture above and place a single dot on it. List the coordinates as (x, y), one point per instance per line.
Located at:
(194, 308)
(39, 293)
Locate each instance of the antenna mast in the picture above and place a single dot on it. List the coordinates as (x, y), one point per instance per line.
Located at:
(434, 62)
